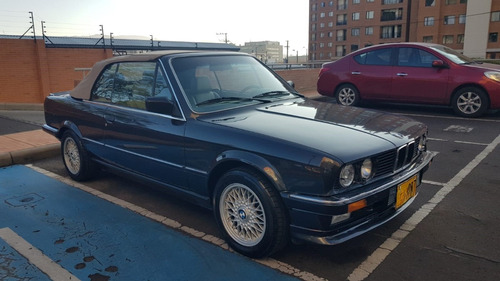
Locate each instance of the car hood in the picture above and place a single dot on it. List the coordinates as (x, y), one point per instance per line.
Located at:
(484, 66)
(344, 132)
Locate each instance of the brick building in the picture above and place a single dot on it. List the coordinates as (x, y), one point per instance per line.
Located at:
(339, 27)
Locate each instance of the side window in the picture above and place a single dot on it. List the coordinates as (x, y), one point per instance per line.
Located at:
(376, 57)
(161, 86)
(126, 84)
(103, 88)
(415, 57)
(134, 83)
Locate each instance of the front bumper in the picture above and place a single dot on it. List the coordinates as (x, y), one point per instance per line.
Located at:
(330, 220)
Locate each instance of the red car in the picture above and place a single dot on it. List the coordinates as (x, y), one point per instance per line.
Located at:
(413, 73)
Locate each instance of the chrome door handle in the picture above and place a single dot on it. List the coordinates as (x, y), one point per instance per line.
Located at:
(356, 73)
(402, 74)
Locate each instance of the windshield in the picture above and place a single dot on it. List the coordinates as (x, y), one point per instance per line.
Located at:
(452, 55)
(219, 82)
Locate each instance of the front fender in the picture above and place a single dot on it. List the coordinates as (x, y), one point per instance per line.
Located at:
(228, 159)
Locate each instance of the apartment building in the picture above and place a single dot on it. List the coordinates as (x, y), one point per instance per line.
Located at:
(266, 51)
(339, 27)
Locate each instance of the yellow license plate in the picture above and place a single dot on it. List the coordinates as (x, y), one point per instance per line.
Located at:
(406, 190)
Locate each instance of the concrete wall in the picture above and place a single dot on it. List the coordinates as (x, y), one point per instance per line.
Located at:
(30, 71)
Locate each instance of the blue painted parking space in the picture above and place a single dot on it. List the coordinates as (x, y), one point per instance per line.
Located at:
(94, 239)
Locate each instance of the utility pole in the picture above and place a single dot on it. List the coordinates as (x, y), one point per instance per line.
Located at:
(225, 36)
(287, 52)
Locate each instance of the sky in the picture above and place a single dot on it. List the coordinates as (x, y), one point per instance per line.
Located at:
(167, 20)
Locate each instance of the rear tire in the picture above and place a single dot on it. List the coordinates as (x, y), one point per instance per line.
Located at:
(75, 157)
(470, 102)
(250, 213)
(347, 95)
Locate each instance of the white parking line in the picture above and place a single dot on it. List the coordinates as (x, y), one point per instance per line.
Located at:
(269, 262)
(379, 255)
(35, 256)
(450, 117)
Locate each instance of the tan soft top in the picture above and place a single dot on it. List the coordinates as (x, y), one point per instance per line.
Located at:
(83, 89)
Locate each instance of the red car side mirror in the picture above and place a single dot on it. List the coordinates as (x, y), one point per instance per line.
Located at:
(439, 64)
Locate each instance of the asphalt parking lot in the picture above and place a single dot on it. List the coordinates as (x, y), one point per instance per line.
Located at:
(451, 232)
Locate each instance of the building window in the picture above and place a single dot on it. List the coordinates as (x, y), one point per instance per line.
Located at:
(322, 15)
(330, 14)
(321, 45)
(450, 2)
(370, 1)
(355, 32)
(314, 7)
(369, 30)
(448, 39)
(460, 38)
(356, 1)
(330, 34)
(429, 21)
(427, 39)
(341, 35)
(313, 17)
(354, 47)
(370, 14)
(342, 5)
(322, 25)
(340, 51)
(462, 19)
(355, 16)
(449, 20)
(330, 3)
(330, 44)
(430, 3)
(392, 31)
(388, 2)
(342, 19)
(330, 24)
(313, 27)
(493, 37)
(323, 4)
(495, 16)
(392, 14)
(313, 37)
(463, 1)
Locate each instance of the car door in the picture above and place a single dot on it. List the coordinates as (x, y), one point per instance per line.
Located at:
(371, 72)
(136, 138)
(416, 80)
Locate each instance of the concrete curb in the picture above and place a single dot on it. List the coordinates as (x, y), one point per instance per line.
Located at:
(30, 154)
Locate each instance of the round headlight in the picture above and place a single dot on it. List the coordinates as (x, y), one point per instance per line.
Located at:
(347, 175)
(366, 169)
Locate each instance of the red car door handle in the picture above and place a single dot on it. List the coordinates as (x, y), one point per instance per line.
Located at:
(402, 74)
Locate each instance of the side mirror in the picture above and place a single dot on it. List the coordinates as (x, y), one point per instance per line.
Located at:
(159, 105)
(291, 84)
(439, 64)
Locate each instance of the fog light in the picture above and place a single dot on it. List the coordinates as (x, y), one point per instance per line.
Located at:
(340, 218)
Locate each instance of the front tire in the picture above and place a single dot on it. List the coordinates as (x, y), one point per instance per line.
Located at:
(250, 213)
(347, 95)
(470, 102)
(75, 158)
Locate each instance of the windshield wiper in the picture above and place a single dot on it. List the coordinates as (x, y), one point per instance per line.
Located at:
(272, 94)
(224, 99)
